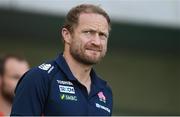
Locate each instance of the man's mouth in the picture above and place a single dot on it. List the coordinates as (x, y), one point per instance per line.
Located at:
(94, 49)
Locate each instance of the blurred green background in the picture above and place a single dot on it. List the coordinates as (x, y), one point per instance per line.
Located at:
(142, 64)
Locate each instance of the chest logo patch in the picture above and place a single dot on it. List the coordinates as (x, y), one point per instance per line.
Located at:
(68, 97)
(66, 89)
(101, 97)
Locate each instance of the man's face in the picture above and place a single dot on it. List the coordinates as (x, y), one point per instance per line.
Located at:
(89, 39)
(14, 69)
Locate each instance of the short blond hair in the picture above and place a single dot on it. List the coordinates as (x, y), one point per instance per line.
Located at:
(72, 17)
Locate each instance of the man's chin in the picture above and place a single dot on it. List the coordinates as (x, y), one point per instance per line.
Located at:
(89, 62)
(92, 60)
(88, 58)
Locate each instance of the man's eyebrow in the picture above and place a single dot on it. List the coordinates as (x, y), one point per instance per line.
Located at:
(89, 29)
(104, 33)
(94, 30)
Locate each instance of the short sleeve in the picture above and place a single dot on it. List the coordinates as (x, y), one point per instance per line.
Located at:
(30, 94)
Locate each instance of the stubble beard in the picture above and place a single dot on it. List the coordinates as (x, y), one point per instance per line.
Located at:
(80, 56)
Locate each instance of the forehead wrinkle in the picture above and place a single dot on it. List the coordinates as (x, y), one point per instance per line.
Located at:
(95, 21)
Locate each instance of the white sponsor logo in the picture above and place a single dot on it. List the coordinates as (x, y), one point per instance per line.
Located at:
(45, 66)
(64, 82)
(66, 89)
(103, 107)
(50, 69)
(68, 97)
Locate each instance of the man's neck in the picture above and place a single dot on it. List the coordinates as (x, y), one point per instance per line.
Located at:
(79, 70)
(5, 105)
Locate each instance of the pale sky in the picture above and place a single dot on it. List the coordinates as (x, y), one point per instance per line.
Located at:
(155, 12)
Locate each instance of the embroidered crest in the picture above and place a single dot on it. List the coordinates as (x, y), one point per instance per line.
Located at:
(102, 97)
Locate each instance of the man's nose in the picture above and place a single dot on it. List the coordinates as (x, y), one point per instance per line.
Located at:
(96, 40)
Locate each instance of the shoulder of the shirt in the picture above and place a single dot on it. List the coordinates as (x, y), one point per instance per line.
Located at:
(46, 68)
(44, 71)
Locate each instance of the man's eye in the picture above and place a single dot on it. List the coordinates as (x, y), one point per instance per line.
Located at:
(87, 32)
(103, 36)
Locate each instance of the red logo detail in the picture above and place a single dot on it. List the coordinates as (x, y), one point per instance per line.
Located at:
(101, 97)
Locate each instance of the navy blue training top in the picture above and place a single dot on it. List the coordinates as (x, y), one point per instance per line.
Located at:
(51, 89)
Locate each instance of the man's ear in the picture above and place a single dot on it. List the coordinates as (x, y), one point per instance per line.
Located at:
(66, 35)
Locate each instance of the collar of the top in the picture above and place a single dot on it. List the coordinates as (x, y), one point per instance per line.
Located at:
(65, 68)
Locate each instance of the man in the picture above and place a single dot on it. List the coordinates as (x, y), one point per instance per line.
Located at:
(68, 85)
(12, 67)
